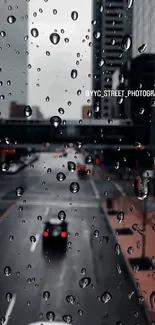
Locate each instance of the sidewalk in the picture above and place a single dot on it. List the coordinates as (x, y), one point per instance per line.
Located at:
(137, 243)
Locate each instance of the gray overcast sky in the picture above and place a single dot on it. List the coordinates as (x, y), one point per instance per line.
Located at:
(54, 78)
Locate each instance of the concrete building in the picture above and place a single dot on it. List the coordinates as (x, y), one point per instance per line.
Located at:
(143, 32)
(116, 24)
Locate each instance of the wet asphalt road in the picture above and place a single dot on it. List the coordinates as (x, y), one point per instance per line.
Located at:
(90, 252)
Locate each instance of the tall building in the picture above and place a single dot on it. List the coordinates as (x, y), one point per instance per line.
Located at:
(143, 34)
(115, 22)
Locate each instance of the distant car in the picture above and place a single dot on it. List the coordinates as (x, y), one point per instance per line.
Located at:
(55, 233)
(82, 170)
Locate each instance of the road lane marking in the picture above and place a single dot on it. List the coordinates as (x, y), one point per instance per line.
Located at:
(64, 204)
(6, 213)
(34, 244)
(47, 211)
(119, 188)
(97, 195)
(9, 310)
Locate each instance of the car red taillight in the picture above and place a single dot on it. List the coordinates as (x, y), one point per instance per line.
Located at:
(45, 234)
(98, 161)
(64, 234)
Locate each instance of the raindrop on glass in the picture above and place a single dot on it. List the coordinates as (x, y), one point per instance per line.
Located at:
(5, 166)
(11, 238)
(27, 111)
(34, 32)
(142, 48)
(84, 282)
(61, 111)
(7, 270)
(50, 316)
(54, 38)
(2, 33)
(74, 73)
(39, 218)
(32, 239)
(70, 299)
(71, 166)
(83, 271)
(61, 177)
(96, 34)
(8, 297)
(74, 187)
(74, 15)
(130, 250)
(62, 215)
(49, 170)
(141, 188)
(11, 19)
(55, 121)
(126, 42)
(96, 233)
(106, 297)
(46, 295)
(152, 300)
(19, 191)
(54, 11)
(120, 216)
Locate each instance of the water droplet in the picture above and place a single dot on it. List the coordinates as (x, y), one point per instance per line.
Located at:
(7, 140)
(96, 233)
(32, 239)
(142, 48)
(2, 33)
(152, 300)
(7, 270)
(70, 299)
(11, 19)
(8, 297)
(130, 250)
(27, 111)
(5, 166)
(130, 2)
(19, 191)
(74, 73)
(54, 11)
(118, 268)
(74, 15)
(29, 266)
(49, 170)
(2, 320)
(106, 297)
(61, 177)
(126, 42)
(117, 249)
(61, 111)
(96, 34)
(89, 159)
(54, 38)
(29, 280)
(39, 218)
(46, 295)
(67, 318)
(50, 316)
(83, 271)
(34, 32)
(74, 187)
(141, 299)
(141, 188)
(66, 40)
(120, 216)
(84, 282)
(28, 302)
(20, 208)
(11, 238)
(55, 121)
(141, 110)
(71, 166)
(62, 215)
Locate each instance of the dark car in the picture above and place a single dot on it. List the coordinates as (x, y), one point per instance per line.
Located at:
(55, 234)
(82, 170)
